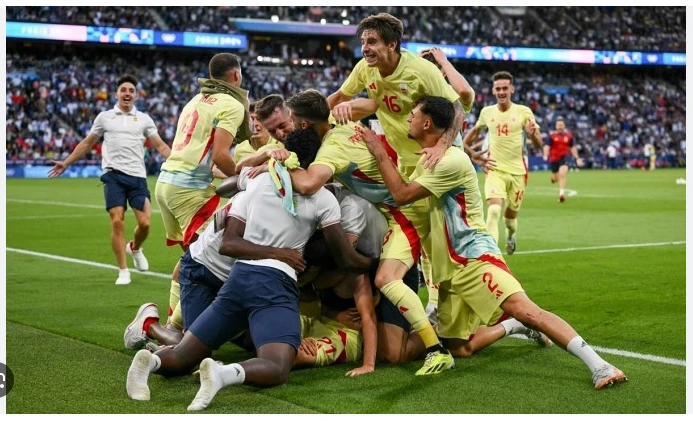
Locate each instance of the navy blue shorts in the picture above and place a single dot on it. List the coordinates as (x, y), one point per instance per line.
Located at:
(386, 312)
(259, 298)
(556, 165)
(120, 188)
(198, 288)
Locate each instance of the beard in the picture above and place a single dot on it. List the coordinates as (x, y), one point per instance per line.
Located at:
(409, 135)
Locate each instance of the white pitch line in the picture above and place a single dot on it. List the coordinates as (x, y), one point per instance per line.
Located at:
(49, 216)
(647, 357)
(612, 246)
(83, 262)
(66, 204)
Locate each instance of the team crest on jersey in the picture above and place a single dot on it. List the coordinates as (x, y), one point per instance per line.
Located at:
(403, 87)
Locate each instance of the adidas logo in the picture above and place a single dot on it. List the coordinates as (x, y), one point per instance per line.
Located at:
(372, 86)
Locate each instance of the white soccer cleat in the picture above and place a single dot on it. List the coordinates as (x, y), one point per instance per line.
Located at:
(138, 374)
(608, 375)
(539, 338)
(138, 258)
(135, 337)
(210, 384)
(510, 245)
(123, 277)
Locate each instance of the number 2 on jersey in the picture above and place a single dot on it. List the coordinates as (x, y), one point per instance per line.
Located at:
(502, 129)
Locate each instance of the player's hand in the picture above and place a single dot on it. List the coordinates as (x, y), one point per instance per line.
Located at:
(292, 258)
(432, 156)
(371, 140)
(58, 169)
(280, 154)
(579, 162)
(437, 53)
(342, 112)
(349, 318)
(308, 346)
(255, 171)
(364, 369)
(530, 127)
(545, 157)
(480, 157)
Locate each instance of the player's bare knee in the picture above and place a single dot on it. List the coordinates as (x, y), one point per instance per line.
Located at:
(382, 279)
(143, 225)
(117, 225)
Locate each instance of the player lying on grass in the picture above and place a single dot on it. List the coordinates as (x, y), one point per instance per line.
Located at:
(475, 283)
(260, 294)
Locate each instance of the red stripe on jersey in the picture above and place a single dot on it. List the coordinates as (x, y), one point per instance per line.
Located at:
(170, 242)
(390, 152)
(343, 337)
(463, 205)
(199, 219)
(359, 174)
(494, 261)
(451, 250)
(409, 231)
(210, 142)
(524, 164)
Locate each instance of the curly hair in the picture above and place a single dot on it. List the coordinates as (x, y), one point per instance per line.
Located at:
(305, 143)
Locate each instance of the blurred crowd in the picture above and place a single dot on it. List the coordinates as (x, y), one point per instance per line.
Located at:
(635, 28)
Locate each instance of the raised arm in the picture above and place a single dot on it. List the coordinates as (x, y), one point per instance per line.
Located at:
(308, 182)
(80, 150)
(160, 145)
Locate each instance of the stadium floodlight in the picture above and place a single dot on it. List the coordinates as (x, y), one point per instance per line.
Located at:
(275, 18)
(323, 21)
(260, 58)
(304, 62)
(344, 13)
(345, 22)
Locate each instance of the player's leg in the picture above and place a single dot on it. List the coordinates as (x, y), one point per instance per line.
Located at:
(562, 180)
(515, 187)
(115, 195)
(494, 192)
(432, 305)
(139, 199)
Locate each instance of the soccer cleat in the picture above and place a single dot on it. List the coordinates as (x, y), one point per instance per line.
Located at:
(153, 347)
(210, 384)
(123, 278)
(138, 258)
(561, 199)
(432, 314)
(510, 245)
(608, 375)
(138, 374)
(436, 362)
(135, 337)
(539, 338)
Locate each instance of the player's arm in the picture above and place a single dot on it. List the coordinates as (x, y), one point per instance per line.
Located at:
(363, 296)
(547, 149)
(221, 155)
(80, 150)
(160, 145)
(228, 188)
(234, 245)
(402, 192)
(308, 182)
(574, 152)
(346, 257)
(532, 129)
(358, 109)
(457, 81)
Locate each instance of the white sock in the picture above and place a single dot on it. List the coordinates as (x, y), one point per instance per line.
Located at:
(578, 347)
(154, 363)
(561, 192)
(512, 327)
(138, 374)
(232, 374)
(125, 271)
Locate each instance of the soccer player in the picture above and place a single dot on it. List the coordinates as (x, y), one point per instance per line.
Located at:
(476, 285)
(260, 138)
(394, 78)
(206, 129)
(650, 156)
(124, 130)
(509, 125)
(556, 152)
(341, 156)
(260, 293)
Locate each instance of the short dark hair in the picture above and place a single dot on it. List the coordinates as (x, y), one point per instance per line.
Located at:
(251, 106)
(266, 106)
(127, 79)
(440, 109)
(387, 26)
(310, 105)
(503, 75)
(305, 143)
(221, 63)
(317, 252)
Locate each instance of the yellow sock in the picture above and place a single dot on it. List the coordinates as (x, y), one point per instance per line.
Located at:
(428, 277)
(173, 297)
(411, 308)
(492, 217)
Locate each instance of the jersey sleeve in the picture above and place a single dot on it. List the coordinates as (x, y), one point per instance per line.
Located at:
(97, 128)
(443, 178)
(150, 130)
(481, 121)
(230, 118)
(328, 212)
(332, 155)
(356, 82)
(353, 216)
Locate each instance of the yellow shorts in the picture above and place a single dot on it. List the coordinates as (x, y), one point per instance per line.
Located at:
(408, 228)
(509, 187)
(185, 211)
(473, 296)
(336, 343)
